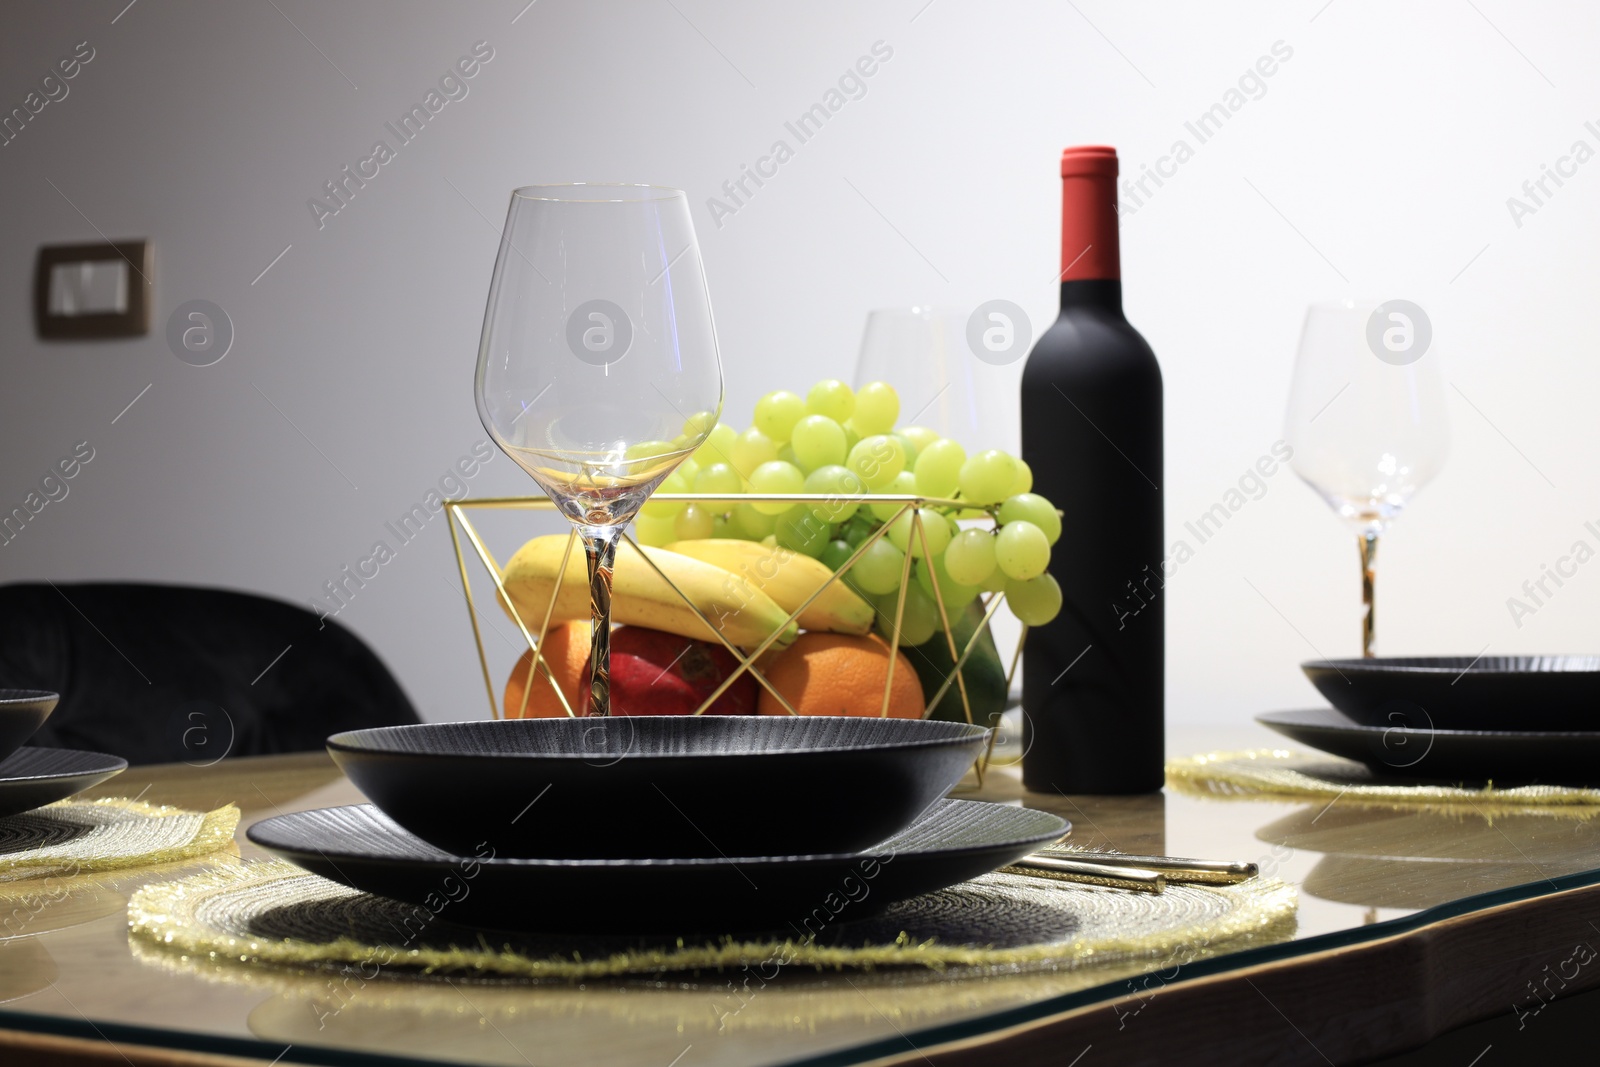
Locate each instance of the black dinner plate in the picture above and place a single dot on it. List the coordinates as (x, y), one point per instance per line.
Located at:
(1507, 757)
(952, 841)
(665, 786)
(1521, 693)
(22, 712)
(32, 777)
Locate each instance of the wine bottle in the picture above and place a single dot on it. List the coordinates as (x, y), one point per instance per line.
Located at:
(1093, 679)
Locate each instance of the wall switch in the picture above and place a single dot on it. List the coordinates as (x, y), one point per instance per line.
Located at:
(93, 291)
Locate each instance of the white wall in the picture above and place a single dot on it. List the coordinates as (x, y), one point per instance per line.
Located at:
(1390, 141)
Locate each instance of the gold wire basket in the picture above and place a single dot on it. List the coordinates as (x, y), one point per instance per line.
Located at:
(457, 510)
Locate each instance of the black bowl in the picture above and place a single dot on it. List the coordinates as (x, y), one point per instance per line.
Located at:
(658, 786)
(22, 712)
(1463, 692)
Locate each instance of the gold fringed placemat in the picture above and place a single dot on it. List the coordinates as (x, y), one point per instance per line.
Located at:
(275, 913)
(1282, 774)
(74, 837)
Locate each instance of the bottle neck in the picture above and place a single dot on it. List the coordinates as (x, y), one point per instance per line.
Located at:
(1090, 245)
(1098, 294)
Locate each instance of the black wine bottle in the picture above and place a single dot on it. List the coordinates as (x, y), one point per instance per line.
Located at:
(1093, 679)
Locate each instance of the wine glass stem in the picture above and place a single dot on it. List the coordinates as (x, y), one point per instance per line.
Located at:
(1369, 558)
(600, 549)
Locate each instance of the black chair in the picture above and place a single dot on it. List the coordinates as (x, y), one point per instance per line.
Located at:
(162, 673)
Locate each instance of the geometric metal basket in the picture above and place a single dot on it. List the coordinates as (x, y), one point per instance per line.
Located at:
(458, 509)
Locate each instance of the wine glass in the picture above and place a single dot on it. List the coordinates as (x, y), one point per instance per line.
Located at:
(946, 388)
(598, 370)
(1366, 418)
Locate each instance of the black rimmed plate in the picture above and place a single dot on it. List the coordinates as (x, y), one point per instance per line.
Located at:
(22, 712)
(1520, 693)
(359, 846)
(1506, 757)
(665, 786)
(33, 777)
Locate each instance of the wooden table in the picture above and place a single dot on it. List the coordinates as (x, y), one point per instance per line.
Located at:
(1410, 924)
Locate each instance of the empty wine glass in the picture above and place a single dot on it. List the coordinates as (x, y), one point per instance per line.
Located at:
(598, 370)
(1366, 418)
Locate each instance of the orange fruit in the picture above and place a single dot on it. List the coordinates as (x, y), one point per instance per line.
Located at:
(841, 674)
(566, 653)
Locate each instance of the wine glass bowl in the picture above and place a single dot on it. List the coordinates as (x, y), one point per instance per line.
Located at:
(598, 370)
(1367, 418)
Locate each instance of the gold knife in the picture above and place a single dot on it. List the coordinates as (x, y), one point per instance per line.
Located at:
(1084, 872)
(1178, 869)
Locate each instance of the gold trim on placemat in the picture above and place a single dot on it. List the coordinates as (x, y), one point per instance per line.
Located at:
(275, 913)
(1282, 774)
(73, 837)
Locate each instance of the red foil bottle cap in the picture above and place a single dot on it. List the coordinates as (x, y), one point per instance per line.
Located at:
(1090, 248)
(1089, 159)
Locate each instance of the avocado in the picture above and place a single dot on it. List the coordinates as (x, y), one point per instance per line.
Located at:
(983, 672)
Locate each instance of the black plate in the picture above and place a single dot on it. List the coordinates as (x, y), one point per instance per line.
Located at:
(22, 712)
(666, 786)
(360, 847)
(1463, 692)
(1507, 757)
(33, 777)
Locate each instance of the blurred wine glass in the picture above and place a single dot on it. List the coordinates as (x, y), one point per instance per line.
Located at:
(923, 351)
(598, 370)
(1366, 418)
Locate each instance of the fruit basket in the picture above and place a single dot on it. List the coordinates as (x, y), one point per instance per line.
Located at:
(530, 587)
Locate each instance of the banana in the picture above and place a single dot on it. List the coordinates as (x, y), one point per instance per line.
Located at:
(789, 578)
(745, 616)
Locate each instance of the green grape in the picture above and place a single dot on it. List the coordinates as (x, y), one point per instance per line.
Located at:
(832, 398)
(718, 447)
(696, 426)
(818, 441)
(1024, 480)
(919, 618)
(904, 484)
(995, 583)
(646, 449)
(987, 477)
(939, 468)
(801, 531)
(753, 524)
(750, 450)
(694, 522)
(1035, 601)
(851, 438)
(717, 478)
(843, 488)
(1031, 507)
(970, 557)
(688, 468)
(879, 569)
(934, 528)
(878, 459)
(654, 532)
(776, 414)
(956, 595)
(786, 454)
(775, 478)
(857, 530)
(666, 509)
(1022, 550)
(910, 446)
(921, 437)
(723, 528)
(877, 406)
(837, 554)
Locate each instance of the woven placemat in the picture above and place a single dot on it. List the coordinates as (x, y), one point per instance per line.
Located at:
(275, 913)
(74, 837)
(1283, 774)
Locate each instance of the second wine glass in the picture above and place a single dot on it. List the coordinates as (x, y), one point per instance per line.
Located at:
(598, 370)
(1367, 419)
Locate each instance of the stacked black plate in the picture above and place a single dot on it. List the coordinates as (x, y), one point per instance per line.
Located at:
(1509, 719)
(658, 823)
(33, 777)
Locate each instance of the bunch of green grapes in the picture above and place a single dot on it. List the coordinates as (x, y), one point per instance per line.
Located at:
(843, 444)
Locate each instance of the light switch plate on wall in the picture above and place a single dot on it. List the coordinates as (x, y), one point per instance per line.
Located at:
(93, 290)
